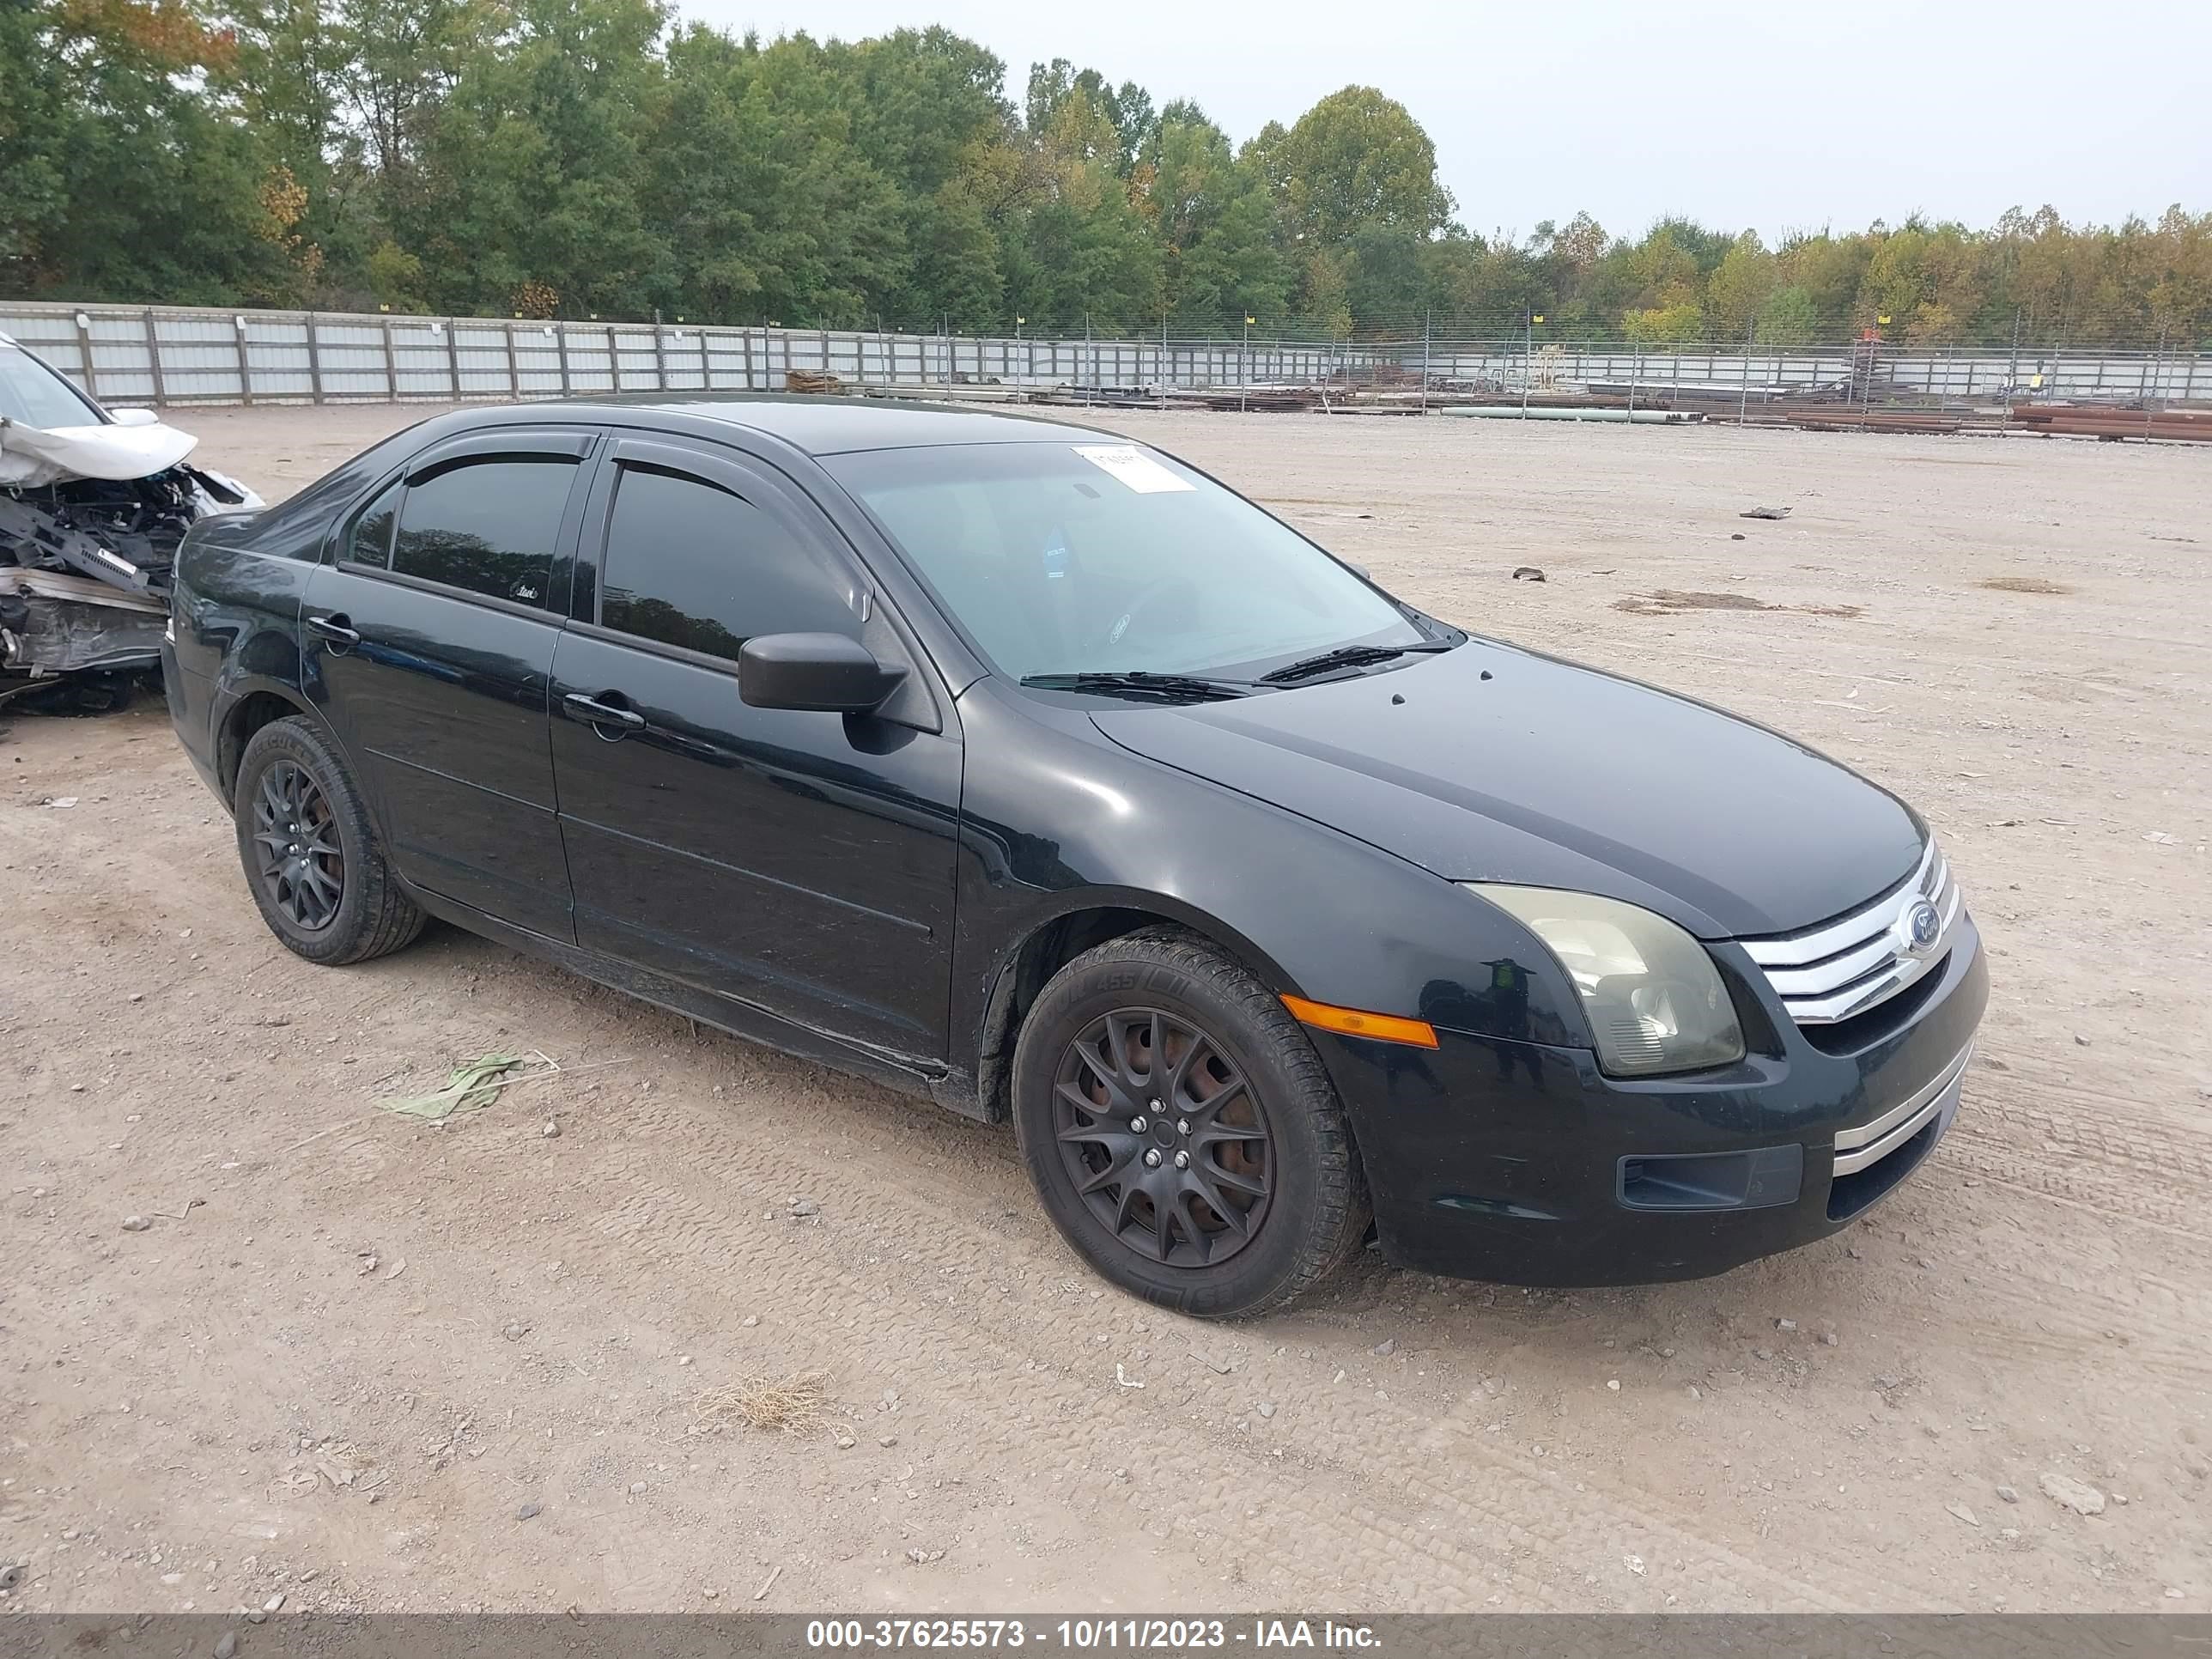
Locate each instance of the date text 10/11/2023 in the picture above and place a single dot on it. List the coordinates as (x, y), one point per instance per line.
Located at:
(1083, 1635)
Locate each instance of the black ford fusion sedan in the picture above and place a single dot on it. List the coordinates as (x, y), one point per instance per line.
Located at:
(1029, 769)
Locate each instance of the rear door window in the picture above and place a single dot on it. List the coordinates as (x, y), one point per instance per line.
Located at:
(369, 542)
(486, 526)
(693, 565)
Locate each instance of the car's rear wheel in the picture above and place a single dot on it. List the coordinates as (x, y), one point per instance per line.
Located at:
(312, 857)
(1182, 1131)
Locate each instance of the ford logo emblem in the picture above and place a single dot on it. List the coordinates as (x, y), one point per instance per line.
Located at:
(1919, 927)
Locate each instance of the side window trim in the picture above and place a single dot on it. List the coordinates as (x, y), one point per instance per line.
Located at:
(575, 443)
(718, 469)
(651, 647)
(761, 482)
(448, 591)
(578, 442)
(350, 526)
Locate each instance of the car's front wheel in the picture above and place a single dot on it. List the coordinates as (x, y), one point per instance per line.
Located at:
(311, 856)
(1182, 1131)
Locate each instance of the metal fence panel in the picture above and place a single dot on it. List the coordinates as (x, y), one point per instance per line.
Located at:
(591, 359)
(422, 359)
(277, 357)
(350, 360)
(170, 354)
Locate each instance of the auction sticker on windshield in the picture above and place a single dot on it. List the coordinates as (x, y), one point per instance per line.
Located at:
(1132, 466)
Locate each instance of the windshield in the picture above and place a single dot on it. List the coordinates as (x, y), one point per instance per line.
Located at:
(34, 395)
(1059, 558)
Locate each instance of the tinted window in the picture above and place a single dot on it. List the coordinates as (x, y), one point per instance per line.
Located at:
(691, 565)
(486, 526)
(370, 540)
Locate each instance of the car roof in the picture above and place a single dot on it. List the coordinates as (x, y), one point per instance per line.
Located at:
(832, 426)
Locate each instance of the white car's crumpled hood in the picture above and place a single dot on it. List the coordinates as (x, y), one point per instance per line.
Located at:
(31, 456)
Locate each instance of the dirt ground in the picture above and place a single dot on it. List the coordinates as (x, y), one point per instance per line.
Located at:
(513, 1407)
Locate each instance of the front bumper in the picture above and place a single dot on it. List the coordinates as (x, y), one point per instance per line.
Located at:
(1523, 1164)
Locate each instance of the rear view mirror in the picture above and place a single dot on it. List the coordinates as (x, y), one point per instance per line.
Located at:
(822, 671)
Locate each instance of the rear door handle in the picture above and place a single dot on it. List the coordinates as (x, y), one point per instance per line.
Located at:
(581, 706)
(334, 630)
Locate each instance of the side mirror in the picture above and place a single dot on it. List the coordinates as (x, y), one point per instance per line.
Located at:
(822, 671)
(134, 417)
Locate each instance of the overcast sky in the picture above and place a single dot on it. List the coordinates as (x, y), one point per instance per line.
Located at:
(1777, 116)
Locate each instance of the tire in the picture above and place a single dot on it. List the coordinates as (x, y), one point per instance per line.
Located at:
(338, 906)
(1252, 1107)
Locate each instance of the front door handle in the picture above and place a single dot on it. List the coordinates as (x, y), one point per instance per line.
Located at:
(334, 630)
(581, 706)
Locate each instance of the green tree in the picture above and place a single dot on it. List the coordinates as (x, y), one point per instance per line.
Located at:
(1737, 291)
(570, 155)
(1927, 281)
(1213, 219)
(1387, 285)
(1829, 270)
(403, 59)
(38, 116)
(917, 99)
(1128, 124)
(1788, 317)
(1579, 245)
(285, 81)
(1663, 270)
(1357, 159)
(767, 209)
(1325, 296)
(396, 278)
(1085, 253)
(125, 180)
(1679, 324)
(2180, 296)
(533, 170)
(955, 278)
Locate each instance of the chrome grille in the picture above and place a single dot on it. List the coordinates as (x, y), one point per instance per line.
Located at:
(1870, 1143)
(1845, 967)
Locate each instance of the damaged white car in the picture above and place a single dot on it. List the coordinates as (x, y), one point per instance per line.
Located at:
(92, 505)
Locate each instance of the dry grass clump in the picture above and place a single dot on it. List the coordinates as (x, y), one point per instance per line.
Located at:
(793, 1403)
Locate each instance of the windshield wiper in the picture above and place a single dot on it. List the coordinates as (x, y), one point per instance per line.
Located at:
(1137, 682)
(1344, 656)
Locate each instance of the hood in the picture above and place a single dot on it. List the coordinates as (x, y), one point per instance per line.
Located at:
(30, 455)
(1492, 763)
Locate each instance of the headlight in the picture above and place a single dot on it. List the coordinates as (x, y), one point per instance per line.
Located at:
(1655, 1000)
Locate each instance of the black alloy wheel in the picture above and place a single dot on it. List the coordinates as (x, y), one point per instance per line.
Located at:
(1164, 1138)
(302, 864)
(313, 859)
(1180, 1129)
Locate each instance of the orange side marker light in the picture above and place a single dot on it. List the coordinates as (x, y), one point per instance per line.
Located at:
(1353, 1022)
